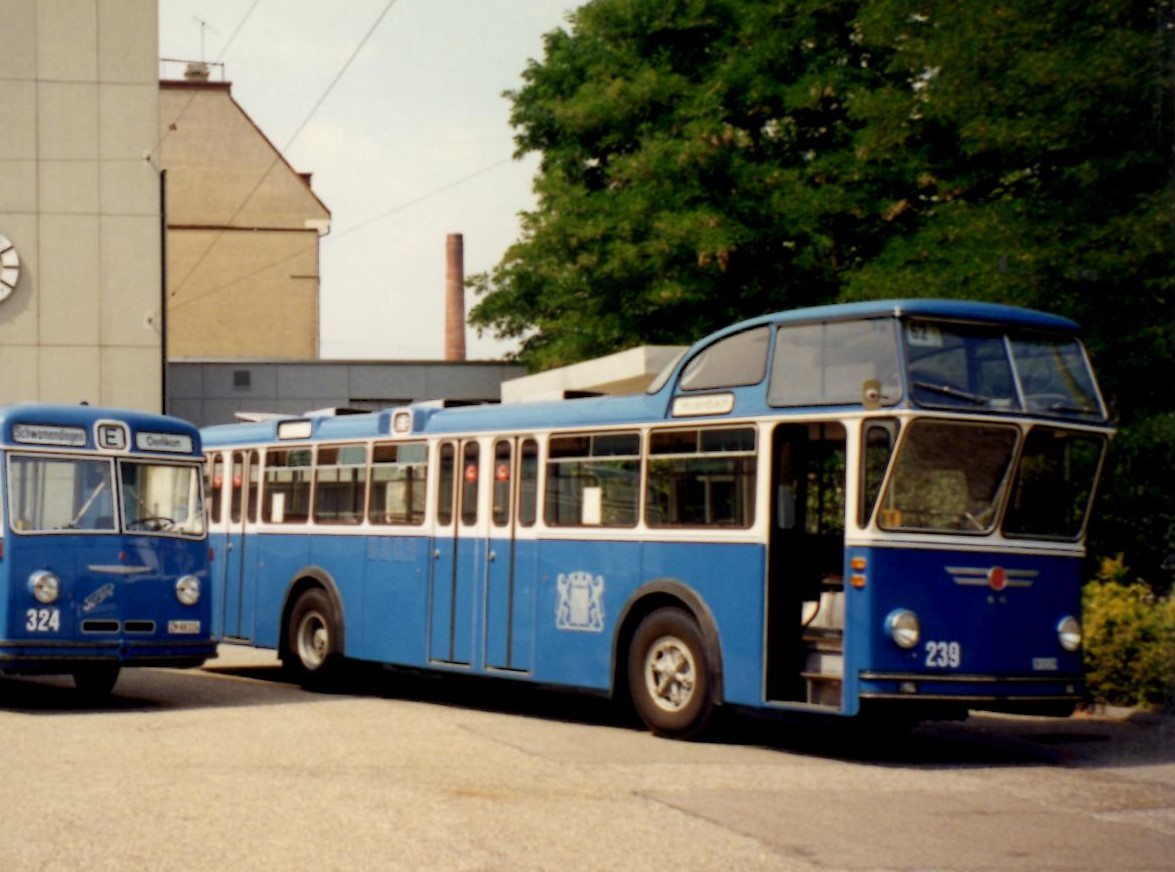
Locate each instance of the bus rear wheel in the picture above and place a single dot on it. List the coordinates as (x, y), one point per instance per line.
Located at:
(312, 638)
(669, 675)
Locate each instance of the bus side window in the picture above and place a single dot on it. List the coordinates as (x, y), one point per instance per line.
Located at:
(398, 476)
(470, 474)
(528, 483)
(502, 483)
(287, 485)
(593, 480)
(254, 484)
(876, 450)
(701, 478)
(340, 484)
(445, 481)
(238, 486)
(214, 484)
(731, 362)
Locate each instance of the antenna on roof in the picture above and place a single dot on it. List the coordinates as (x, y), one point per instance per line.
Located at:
(204, 25)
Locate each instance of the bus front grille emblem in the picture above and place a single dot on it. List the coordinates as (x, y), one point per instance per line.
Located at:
(995, 577)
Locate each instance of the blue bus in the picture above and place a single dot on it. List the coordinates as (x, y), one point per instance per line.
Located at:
(104, 558)
(873, 507)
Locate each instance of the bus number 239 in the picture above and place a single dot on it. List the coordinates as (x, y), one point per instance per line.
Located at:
(944, 655)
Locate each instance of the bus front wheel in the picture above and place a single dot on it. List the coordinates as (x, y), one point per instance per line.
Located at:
(311, 639)
(669, 675)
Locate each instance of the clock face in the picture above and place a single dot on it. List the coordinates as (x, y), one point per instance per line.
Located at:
(9, 267)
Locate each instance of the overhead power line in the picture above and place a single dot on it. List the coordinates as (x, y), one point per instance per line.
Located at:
(407, 204)
(278, 156)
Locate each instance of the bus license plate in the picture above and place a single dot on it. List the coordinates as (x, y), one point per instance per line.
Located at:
(179, 627)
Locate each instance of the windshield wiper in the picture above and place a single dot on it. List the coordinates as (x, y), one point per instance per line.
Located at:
(1070, 410)
(954, 393)
(86, 507)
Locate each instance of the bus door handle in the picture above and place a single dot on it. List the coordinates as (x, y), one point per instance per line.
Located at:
(493, 556)
(436, 554)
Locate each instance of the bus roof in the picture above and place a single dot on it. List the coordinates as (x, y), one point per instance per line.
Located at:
(939, 309)
(82, 418)
(620, 410)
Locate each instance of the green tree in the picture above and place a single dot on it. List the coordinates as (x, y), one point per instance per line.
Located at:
(704, 160)
(707, 160)
(696, 167)
(1035, 145)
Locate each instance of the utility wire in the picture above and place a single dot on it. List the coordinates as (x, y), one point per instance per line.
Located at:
(278, 155)
(407, 204)
(174, 125)
(341, 73)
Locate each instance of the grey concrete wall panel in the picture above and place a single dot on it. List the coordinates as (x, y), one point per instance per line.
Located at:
(311, 380)
(184, 381)
(220, 380)
(387, 382)
(190, 409)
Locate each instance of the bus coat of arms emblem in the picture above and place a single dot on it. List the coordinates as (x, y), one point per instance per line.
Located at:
(581, 602)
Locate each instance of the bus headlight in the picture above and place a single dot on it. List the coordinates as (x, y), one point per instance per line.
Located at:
(45, 586)
(187, 590)
(903, 627)
(1069, 632)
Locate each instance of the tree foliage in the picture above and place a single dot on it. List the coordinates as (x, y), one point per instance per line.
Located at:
(708, 160)
(697, 164)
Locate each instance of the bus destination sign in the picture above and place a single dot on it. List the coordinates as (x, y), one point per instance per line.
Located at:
(170, 443)
(49, 434)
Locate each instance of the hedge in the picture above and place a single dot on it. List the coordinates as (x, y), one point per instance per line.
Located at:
(1129, 640)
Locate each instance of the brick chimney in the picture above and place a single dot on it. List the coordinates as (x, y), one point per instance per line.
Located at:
(454, 297)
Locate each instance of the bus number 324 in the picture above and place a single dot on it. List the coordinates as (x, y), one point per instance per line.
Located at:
(42, 620)
(944, 655)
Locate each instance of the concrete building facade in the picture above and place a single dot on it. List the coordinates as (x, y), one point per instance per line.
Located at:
(80, 203)
(103, 169)
(242, 231)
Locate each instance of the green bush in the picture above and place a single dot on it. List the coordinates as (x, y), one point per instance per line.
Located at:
(1129, 640)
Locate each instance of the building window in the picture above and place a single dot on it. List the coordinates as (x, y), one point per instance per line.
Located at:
(242, 379)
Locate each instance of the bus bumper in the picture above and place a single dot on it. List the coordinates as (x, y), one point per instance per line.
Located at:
(1055, 695)
(48, 658)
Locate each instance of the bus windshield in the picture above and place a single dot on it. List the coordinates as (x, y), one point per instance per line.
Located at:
(162, 498)
(55, 494)
(1054, 484)
(948, 477)
(951, 476)
(984, 369)
(58, 493)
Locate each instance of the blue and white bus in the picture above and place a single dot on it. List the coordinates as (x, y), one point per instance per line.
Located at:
(104, 557)
(829, 510)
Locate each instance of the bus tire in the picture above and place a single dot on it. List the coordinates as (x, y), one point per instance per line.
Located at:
(669, 675)
(96, 681)
(312, 638)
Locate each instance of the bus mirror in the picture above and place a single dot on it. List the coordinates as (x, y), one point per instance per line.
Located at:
(871, 394)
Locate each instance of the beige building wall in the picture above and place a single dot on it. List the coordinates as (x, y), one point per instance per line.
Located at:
(242, 233)
(79, 201)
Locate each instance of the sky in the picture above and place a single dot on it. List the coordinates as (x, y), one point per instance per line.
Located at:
(410, 143)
